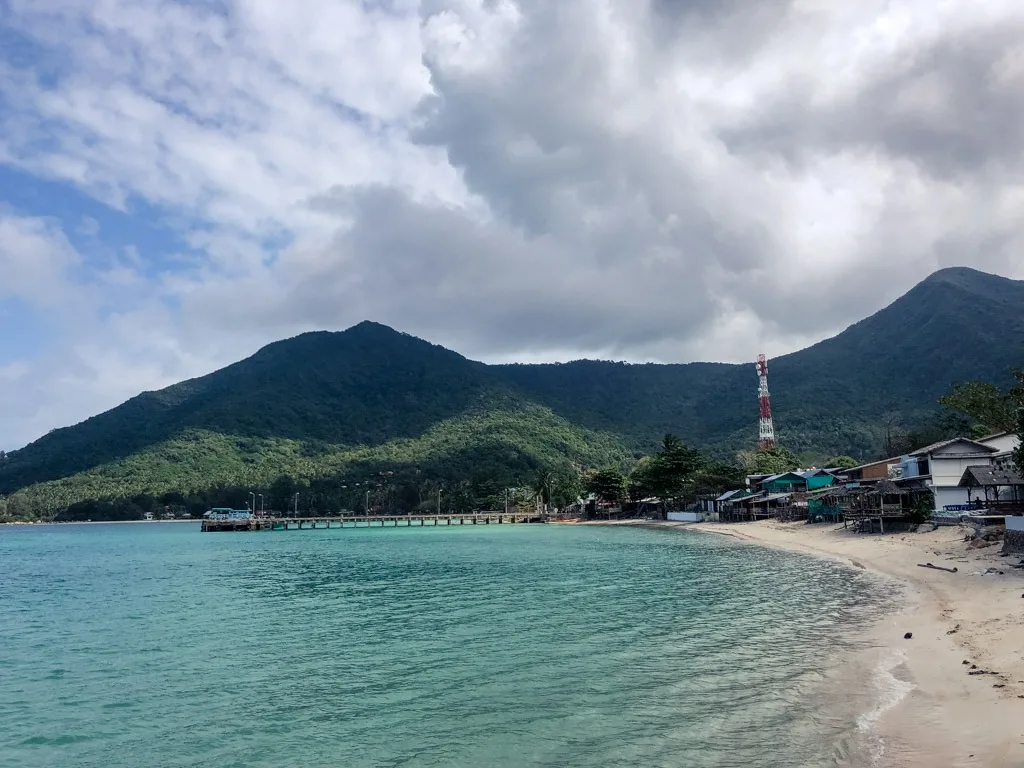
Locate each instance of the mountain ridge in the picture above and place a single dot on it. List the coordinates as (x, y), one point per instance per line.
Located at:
(370, 385)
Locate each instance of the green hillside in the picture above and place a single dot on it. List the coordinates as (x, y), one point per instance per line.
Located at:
(494, 443)
(370, 399)
(365, 386)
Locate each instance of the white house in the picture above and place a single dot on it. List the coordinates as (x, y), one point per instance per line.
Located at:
(939, 467)
(1003, 442)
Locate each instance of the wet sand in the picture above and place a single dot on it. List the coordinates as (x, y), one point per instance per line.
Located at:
(941, 715)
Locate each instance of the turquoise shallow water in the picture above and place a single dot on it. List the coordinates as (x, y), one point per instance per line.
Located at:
(155, 645)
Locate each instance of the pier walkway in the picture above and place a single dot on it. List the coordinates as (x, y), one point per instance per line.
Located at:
(367, 521)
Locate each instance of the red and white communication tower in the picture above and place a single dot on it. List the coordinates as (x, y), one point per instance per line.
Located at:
(764, 400)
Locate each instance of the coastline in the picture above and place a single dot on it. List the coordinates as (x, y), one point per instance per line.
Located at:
(942, 714)
(94, 522)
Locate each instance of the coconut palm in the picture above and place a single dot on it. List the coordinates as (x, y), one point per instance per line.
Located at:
(542, 485)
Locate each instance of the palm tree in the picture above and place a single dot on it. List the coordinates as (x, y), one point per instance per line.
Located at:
(542, 484)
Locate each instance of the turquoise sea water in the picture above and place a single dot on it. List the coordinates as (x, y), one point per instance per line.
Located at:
(156, 645)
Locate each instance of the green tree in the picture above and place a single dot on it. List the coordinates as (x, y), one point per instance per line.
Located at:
(641, 484)
(282, 491)
(770, 461)
(672, 467)
(717, 478)
(607, 484)
(989, 407)
(543, 482)
(842, 462)
(566, 488)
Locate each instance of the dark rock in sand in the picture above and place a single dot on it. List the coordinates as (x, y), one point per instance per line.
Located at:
(908, 635)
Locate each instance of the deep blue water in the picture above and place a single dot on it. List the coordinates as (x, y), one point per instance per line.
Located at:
(156, 645)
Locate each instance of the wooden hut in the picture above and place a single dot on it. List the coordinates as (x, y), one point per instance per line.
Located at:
(883, 501)
(993, 490)
(825, 504)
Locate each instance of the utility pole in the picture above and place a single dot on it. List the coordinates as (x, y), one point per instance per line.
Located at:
(367, 510)
(439, 501)
(296, 505)
(506, 501)
(253, 507)
(261, 505)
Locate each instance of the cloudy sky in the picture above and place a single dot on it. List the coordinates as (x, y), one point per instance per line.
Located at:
(184, 181)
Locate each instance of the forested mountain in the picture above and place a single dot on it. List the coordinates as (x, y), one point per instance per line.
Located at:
(363, 386)
(830, 398)
(370, 398)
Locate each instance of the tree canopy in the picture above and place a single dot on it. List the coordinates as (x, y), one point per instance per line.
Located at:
(990, 408)
(769, 461)
(608, 484)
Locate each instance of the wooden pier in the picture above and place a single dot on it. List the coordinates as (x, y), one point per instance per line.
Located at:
(371, 521)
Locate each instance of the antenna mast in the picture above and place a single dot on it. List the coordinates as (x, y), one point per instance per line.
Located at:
(767, 428)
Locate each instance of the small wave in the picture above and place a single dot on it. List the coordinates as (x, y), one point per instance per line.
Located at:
(55, 741)
(891, 691)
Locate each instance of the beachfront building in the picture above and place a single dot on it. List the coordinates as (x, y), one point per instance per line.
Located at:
(867, 507)
(873, 471)
(784, 495)
(940, 467)
(785, 482)
(994, 489)
(821, 478)
(1003, 442)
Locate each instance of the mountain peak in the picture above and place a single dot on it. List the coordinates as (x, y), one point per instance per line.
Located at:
(370, 326)
(965, 277)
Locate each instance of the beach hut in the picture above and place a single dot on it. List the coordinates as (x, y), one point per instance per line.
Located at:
(883, 501)
(993, 490)
(738, 506)
(824, 504)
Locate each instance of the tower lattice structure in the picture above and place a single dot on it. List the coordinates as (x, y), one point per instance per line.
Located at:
(767, 427)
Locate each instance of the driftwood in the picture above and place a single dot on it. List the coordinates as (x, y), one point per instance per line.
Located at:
(937, 567)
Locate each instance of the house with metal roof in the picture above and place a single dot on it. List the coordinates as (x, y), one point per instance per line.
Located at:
(939, 467)
(819, 478)
(873, 471)
(994, 489)
(784, 482)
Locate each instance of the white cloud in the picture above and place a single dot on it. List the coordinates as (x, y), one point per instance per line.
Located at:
(35, 263)
(517, 179)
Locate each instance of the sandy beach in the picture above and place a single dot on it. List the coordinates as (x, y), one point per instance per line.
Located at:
(963, 622)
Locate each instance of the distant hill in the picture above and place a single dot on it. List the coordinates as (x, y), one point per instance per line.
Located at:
(371, 397)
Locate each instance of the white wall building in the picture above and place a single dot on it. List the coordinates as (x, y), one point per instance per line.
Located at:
(1003, 442)
(939, 467)
(687, 517)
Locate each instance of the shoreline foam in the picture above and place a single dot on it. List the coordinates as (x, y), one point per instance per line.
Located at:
(944, 716)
